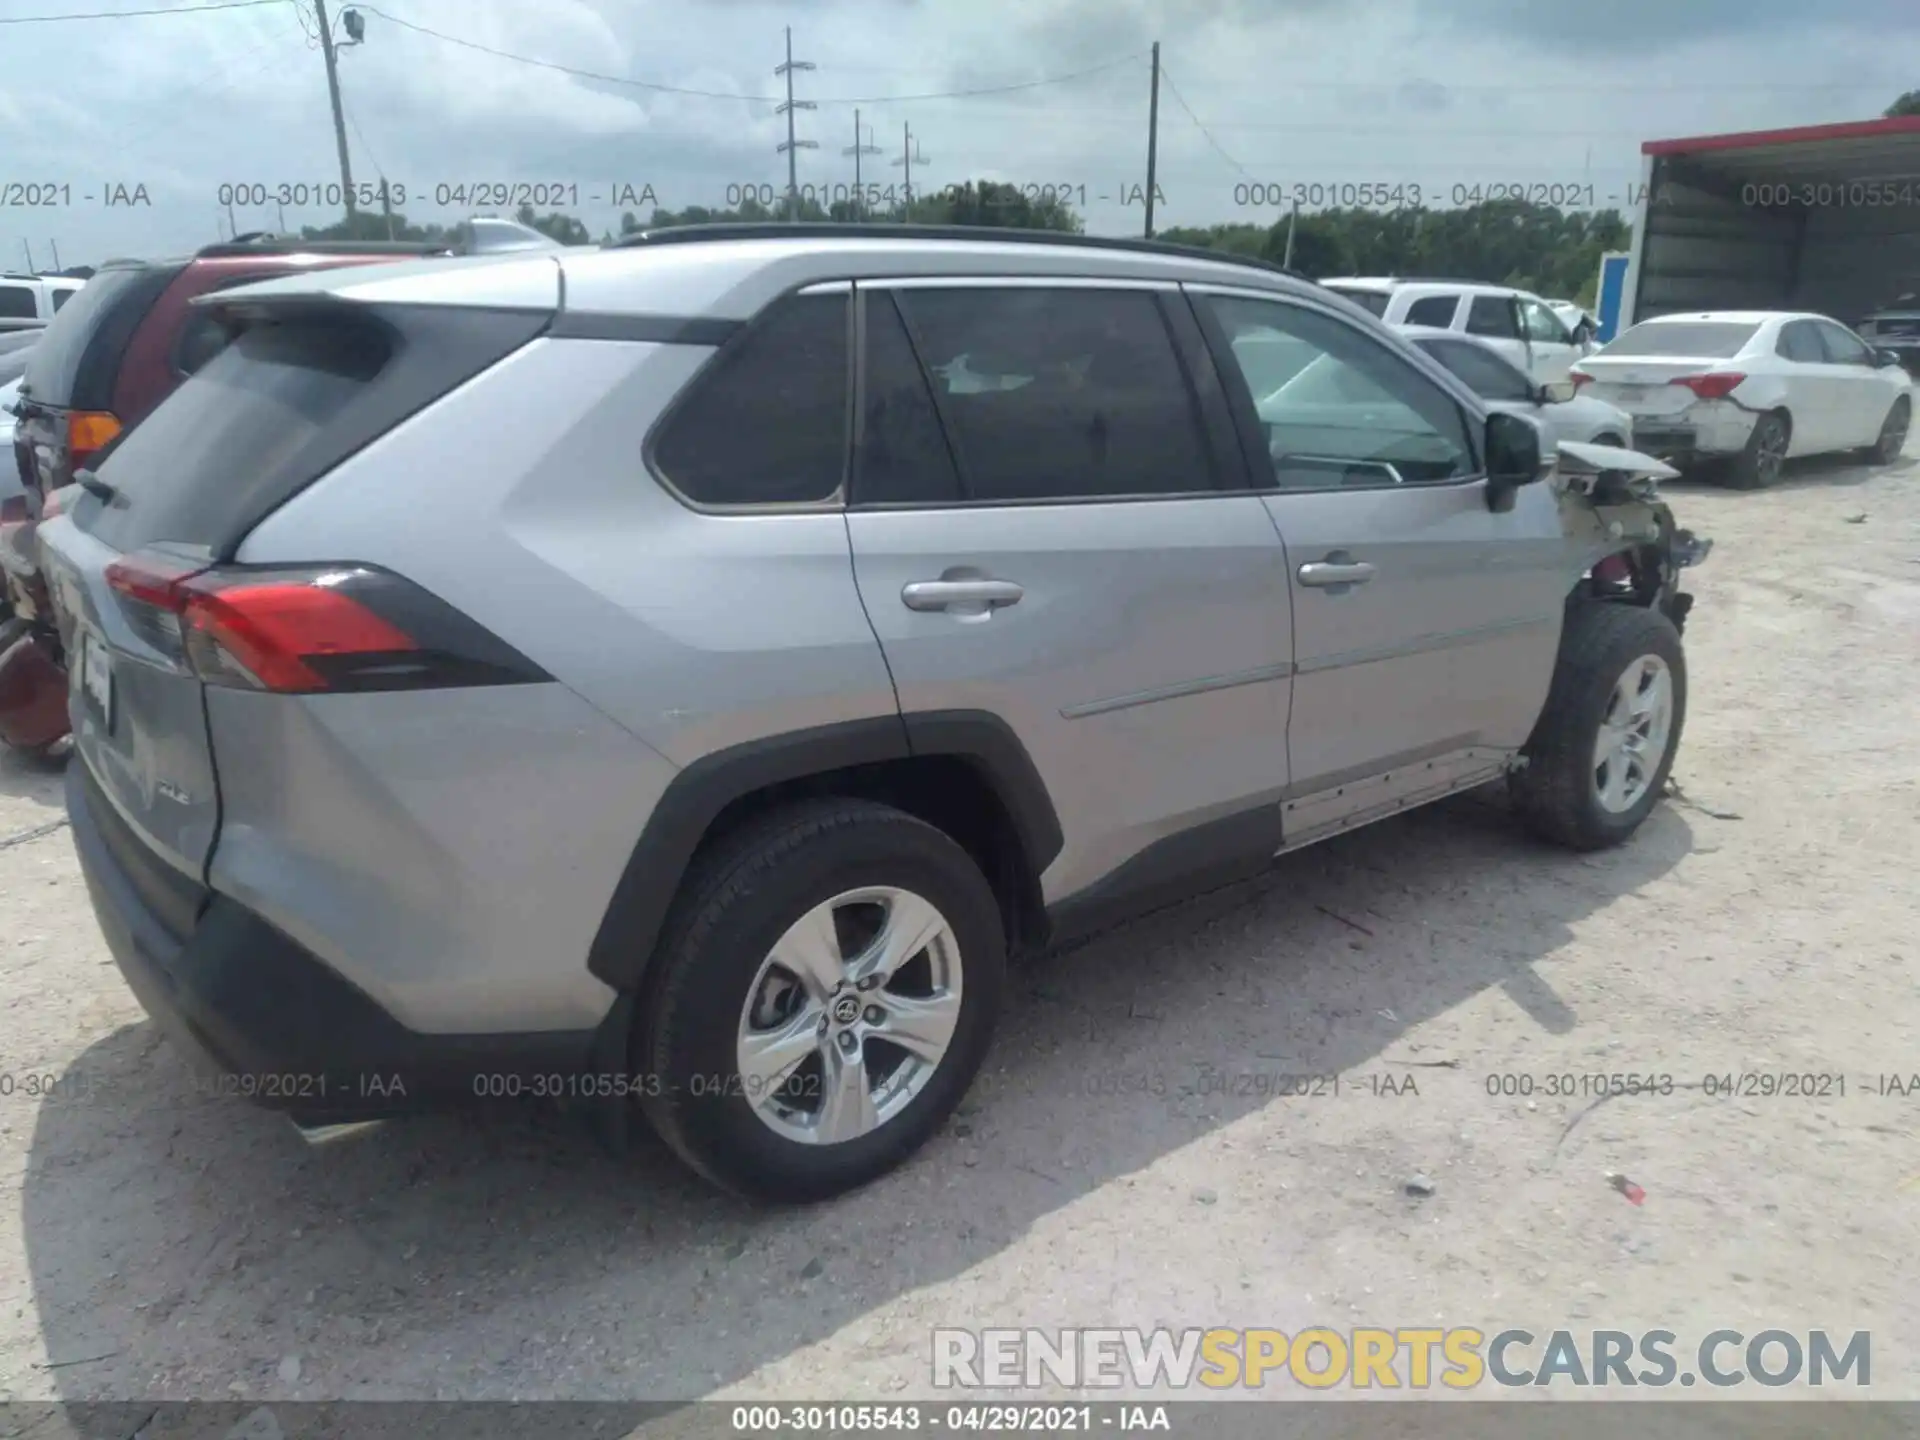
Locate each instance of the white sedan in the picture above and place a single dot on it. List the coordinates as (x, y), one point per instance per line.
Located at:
(1752, 387)
(1566, 414)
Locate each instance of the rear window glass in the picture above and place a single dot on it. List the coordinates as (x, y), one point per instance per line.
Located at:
(16, 303)
(233, 427)
(1373, 300)
(77, 361)
(1701, 339)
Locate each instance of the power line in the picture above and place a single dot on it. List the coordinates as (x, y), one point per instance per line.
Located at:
(1181, 100)
(134, 14)
(664, 89)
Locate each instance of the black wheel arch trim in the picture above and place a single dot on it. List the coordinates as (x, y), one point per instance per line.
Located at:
(630, 930)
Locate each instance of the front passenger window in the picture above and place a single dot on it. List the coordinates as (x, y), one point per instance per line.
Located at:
(1355, 414)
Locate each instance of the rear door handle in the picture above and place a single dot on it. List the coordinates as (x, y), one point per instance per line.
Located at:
(945, 594)
(1322, 573)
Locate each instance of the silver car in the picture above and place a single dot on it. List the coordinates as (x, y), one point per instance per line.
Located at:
(661, 677)
(1558, 406)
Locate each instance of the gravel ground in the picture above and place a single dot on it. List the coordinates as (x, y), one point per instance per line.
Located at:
(165, 1243)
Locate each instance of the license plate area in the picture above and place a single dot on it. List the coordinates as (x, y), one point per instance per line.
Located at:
(96, 680)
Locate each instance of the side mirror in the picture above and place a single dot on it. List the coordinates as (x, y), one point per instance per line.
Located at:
(1887, 359)
(1558, 392)
(1514, 458)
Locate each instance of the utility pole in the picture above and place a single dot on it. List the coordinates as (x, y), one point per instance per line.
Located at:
(339, 116)
(1153, 135)
(908, 154)
(386, 205)
(29, 249)
(232, 224)
(793, 147)
(856, 150)
(281, 210)
(56, 255)
(1292, 224)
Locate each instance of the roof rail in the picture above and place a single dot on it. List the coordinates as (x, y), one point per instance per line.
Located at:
(266, 243)
(846, 230)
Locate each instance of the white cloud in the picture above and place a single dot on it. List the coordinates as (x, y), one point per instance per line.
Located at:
(1436, 92)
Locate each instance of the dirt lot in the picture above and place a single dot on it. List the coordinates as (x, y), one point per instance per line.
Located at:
(165, 1243)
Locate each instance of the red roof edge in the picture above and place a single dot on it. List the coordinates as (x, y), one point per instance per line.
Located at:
(1751, 139)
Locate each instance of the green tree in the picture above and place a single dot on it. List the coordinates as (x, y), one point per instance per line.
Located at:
(1907, 104)
(555, 226)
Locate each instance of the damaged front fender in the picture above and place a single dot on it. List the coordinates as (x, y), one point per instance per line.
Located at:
(1611, 503)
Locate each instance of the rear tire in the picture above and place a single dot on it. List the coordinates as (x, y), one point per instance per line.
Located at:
(1893, 432)
(1596, 766)
(1759, 464)
(714, 1000)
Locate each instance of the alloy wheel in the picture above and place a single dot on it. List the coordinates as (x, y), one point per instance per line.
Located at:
(849, 1015)
(1633, 734)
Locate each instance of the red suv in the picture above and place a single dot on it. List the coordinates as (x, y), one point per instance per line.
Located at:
(119, 347)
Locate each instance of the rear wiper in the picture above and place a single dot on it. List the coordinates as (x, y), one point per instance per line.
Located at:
(94, 485)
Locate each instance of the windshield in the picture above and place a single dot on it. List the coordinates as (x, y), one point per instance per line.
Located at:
(1693, 339)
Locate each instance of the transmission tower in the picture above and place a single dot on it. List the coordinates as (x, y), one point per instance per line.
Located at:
(792, 147)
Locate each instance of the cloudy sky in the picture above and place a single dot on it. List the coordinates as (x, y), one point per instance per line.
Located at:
(1430, 94)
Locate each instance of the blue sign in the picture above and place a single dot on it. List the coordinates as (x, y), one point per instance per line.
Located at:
(1613, 287)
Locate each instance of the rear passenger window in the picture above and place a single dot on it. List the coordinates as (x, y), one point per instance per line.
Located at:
(1060, 394)
(1492, 315)
(901, 454)
(766, 424)
(16, 303)
(1434, 310)
(1800, 342)
(60, 297)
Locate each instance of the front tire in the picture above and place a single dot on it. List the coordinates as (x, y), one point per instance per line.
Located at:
(1893, 432)
(1759, 464)
(1604, 745)
(826, 991)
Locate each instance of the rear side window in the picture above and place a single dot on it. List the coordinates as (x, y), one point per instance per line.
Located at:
(1060, 394)
(1492, 315)
(1696, 340)
(289, 398)
(60, 297)
(77, 363)
(1372, 300)
(1434, 310)
(17, 303)
(766, 423)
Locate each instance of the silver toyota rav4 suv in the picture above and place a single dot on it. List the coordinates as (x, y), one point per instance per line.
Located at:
(677, 675)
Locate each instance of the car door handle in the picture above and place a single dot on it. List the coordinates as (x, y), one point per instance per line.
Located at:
(943, 594)
(1320, 573)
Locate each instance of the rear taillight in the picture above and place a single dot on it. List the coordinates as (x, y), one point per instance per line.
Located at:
(88, 433)
(310, 630)
(1716, 386)
(1579, 378)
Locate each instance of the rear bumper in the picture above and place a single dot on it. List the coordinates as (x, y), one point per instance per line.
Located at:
(262, 1018)
(1712, 429)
